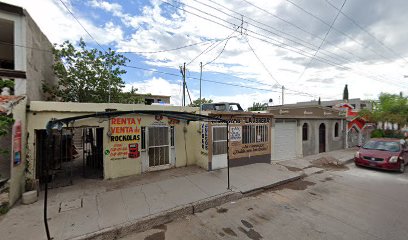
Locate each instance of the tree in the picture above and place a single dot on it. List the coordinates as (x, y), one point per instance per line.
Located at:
(319, 102)
(345, 93)
(87, 75)
(5, 126)
(196, 103)
(391, 108)
(258, 107)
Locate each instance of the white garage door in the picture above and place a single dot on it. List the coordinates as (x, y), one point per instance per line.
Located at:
(284, 144)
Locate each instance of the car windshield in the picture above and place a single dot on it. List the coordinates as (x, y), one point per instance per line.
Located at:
(383, 146)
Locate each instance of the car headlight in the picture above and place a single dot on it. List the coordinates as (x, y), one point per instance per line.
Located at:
(357, 155)
(393, 159)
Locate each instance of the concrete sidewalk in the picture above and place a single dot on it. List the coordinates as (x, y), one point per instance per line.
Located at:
(95, 208)
(98, 209)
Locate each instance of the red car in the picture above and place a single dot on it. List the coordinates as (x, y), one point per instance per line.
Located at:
(384, 153)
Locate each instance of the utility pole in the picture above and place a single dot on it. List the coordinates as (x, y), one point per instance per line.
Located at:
(183, 74)
(283, 92)
(201, 74)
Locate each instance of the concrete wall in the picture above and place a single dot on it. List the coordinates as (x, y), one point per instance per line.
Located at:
(311, 146)
(38, 63)
(187, 139)
(17, 176)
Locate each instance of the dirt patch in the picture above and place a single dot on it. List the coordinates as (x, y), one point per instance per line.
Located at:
(156, 236)
(327, 179)
(230, 232)
(296, 185)
(250, 209)
(247, 224)
(293, 169)
(251, 233)
(329, 163)
(312, 193)
(222, 210)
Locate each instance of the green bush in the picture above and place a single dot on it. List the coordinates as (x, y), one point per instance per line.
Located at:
(377, 133)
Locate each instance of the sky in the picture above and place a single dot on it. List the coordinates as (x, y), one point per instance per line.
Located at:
(249, 49)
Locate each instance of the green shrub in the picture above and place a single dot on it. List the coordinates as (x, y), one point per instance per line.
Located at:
(377, 133)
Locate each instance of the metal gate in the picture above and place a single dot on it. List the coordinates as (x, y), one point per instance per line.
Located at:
(158, 147)
(72, 153)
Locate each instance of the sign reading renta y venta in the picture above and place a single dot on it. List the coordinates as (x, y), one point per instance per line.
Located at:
(125, 134)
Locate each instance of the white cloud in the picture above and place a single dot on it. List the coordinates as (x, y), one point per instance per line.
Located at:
(159, 86)
(58, 25)
(157, 29)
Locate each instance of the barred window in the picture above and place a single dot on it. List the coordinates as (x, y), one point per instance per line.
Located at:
(219, 140)
(254, 133)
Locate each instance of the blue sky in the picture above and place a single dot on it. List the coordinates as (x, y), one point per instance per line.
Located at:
(282, 42)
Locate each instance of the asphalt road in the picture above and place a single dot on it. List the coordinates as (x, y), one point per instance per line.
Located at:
(357, 203)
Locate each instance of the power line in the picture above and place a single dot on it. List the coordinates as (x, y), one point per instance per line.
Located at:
(260, 61)
(368, 33)
(219, 54)
(72, 14)
(321, 44)
(313, 47)
(206, 80)
(219, 42)
(171, 49)
(335, 29)
(299, 51)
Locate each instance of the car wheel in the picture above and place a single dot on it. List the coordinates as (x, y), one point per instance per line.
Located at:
(402, 167)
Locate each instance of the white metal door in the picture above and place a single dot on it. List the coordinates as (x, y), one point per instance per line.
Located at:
(219, 147)
(284, 144)
(158, 147)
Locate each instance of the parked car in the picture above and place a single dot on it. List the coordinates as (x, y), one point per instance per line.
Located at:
(383, 153)
(222, 106)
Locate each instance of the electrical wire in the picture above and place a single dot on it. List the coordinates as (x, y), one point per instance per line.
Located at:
(366, 31)
(299, 51)
(89, 34)
(205, 50)
(335, 29)
(322, 42)
(171, 49)
(219, 54)
(263, 65)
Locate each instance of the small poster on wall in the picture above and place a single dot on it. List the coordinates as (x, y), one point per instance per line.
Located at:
(235, 133)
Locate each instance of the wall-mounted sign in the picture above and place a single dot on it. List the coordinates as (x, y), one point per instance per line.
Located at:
(235, 133)
(124, 138)
(204, 136)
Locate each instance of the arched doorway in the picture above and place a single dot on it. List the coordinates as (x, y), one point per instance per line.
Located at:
(322, 138)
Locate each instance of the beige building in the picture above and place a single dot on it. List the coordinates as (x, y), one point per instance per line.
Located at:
(249, 140)
(109, 147)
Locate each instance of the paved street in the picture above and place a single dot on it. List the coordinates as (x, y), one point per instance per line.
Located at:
(356, 203)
